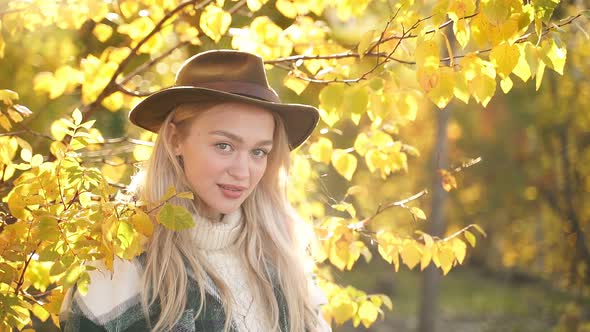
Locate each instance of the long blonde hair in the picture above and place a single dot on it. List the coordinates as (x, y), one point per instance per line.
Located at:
(274, 251)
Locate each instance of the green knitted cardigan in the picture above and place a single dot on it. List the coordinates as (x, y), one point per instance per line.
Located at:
(128, 315)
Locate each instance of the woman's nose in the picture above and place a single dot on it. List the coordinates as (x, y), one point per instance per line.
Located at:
(239, 168)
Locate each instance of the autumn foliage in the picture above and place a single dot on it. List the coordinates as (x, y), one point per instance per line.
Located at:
(62, 198)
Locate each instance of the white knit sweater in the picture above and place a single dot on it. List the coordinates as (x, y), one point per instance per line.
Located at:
(217, 243)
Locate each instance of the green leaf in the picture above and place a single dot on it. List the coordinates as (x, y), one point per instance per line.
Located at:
(175, 217)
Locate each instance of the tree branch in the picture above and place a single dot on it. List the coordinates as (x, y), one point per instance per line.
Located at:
(111, 86)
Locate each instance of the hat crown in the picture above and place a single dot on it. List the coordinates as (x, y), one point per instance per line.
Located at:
(227, 70)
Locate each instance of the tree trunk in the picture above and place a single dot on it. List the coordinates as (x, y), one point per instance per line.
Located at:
(431, 275)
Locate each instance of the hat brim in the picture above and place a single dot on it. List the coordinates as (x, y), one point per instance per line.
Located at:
(300, 120)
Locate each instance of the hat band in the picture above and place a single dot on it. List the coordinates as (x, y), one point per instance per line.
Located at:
(242, 88)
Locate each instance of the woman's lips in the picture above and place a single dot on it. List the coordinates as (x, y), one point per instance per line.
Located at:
(230, 191)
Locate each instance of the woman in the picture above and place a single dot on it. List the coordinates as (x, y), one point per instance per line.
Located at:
(224, 135)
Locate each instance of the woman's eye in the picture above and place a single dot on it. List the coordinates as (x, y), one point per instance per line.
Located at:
(260, 153)
(223, 146)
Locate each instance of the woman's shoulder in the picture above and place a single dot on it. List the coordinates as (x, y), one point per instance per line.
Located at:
(109, 289)
(109, 292)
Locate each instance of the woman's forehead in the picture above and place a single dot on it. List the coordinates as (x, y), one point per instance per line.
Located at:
(249, 122)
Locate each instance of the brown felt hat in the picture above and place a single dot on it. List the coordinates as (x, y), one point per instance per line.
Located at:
(224, 75)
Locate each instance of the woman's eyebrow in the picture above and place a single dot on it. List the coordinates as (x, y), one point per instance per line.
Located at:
(236, 137)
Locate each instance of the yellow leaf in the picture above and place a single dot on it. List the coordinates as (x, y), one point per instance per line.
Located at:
(357, 190)
(37, 160)
(441, 86)
(170, 192)
(460, 8)
(294, 83)
(376, 160)
(5, 122)
(187, 32)
(426, 258)
(331, 97)
(59, 130)
(387, 302)
(77, 116)
(553, 55)
(26, 155)
(483, 84)
(255, 5)
(138, 28)
(497, 11)
(418, 213)
(14, 115)
(321, 150)
(129, 8)
(345, 206)
(215, 22)
(427, 54)
(539, 76)
(506, 84)
(462, 32)
(368, 313)
(40, 312)
(186, 195)
(479, 229)
(115, 170)
(410, 254)
(522, 69)
(8, 172)
(365, 42)
(470, 238)
(103, 32)
(532, 57)
(7, 96)
(505, 58)
(142, 223)
(480, 30)
(408, 103)
(459, 249)
(345, 163)
(114, 102)
(343, 308)
(461, 89)
(446, 258)
(287, 8)
(362, 144)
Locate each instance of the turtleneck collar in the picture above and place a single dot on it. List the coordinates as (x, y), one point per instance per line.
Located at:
(215, 235)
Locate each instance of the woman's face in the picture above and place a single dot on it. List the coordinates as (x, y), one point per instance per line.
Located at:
(225, 154)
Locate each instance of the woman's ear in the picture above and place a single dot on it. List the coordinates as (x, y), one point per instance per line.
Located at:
(174, 139)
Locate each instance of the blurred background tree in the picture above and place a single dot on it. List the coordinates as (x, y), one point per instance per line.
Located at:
(382, 154)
